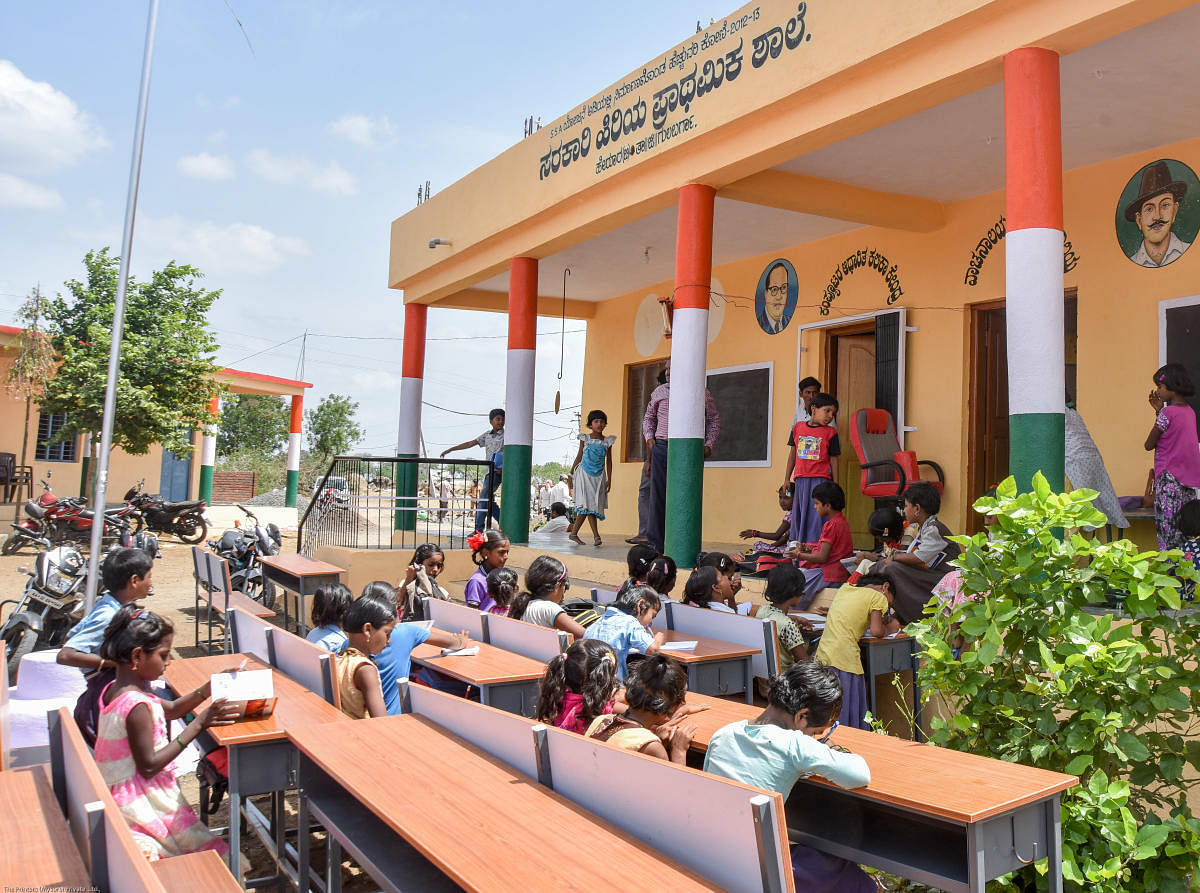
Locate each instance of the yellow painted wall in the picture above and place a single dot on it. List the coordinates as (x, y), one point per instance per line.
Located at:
(1117, 347)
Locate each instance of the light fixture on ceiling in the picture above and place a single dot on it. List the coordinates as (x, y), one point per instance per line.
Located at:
(433, 243)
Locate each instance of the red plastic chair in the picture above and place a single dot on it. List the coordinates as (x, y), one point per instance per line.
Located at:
(887, 470)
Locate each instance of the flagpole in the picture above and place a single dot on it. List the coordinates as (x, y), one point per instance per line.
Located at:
(118, 326)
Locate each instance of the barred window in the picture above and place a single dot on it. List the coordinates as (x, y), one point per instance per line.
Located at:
(49, 424)
(640, 381)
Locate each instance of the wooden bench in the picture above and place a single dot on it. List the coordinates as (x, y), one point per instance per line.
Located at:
(540, 643)
(36, 850)
(101, 832)
(215, 589)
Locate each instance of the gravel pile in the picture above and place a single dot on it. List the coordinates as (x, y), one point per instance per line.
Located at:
(278, 497)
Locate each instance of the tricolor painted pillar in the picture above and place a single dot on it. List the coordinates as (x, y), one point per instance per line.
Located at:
(293, 466)
(208, 451)
(689, 346)
(518, 397)
(408, 438)
(1034, 265)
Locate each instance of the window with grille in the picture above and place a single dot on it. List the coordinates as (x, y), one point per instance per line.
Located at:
(640, 381)
(49, 424)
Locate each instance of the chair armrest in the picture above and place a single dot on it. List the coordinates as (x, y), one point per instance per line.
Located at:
(899, 469)
(936, 468)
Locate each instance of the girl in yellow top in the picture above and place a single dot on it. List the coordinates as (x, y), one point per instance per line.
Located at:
(368, 622)
(855, 611)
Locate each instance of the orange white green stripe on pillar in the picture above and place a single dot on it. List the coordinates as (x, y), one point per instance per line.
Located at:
(293, 459)
(208, 451)
(408, 436)
(518, 397)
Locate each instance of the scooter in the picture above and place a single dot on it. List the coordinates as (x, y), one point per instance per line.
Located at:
(184, 519)
(242, 546)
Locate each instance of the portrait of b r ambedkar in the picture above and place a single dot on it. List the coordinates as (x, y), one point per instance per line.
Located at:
(775, 297)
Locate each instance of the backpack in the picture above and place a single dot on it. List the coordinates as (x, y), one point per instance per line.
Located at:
(583, 611)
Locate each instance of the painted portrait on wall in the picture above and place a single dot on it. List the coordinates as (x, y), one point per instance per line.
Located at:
(775, 297)
(1158, 213)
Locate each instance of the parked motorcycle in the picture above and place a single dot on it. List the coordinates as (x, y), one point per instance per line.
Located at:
(53, 520)
(183, 519)
(242, 546)
(52, 601)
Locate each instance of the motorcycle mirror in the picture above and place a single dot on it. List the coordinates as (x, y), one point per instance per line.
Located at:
(22, 569)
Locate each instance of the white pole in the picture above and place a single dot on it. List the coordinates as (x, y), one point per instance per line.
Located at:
(118, 326)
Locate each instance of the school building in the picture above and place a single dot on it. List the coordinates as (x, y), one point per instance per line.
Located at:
(959, 212)
(177, 478)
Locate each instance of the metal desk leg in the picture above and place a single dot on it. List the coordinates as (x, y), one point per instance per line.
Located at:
(235, 815)
(748, 674)
(691, 671)
(333, 864)
(301, 624)
(485, 695)
(278, 826)
(303, 839)
(976, 860)
(1054, 872)
(870, 668)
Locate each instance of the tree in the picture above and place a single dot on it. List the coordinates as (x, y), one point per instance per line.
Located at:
(253, 423)
(33, 365)
(331, 428)
(550, 471)
(166, 376)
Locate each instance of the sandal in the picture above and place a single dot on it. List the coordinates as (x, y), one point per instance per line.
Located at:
(574, 538)
(598, 543)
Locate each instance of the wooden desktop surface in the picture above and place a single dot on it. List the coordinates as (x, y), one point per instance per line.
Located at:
(491, 666)
(453, 802)
(899, 636)
(706, 648)
(300, 565)
(194, 871)
(37, 851)
(296, 706)
(933, 780)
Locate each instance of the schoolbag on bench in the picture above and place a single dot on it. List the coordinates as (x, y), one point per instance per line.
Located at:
(583, 611)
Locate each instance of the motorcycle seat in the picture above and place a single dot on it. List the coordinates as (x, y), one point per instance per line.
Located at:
(181, 506)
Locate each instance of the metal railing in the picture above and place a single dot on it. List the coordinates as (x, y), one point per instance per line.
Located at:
(395, 503)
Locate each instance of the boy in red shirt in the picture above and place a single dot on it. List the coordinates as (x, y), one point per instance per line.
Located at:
(821, 562)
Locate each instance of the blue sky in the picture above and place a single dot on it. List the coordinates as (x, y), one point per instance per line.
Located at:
(278, 172)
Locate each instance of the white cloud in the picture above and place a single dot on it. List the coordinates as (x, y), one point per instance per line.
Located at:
(376, 381)
(363, 130)
(219, 249)
(18, 193)
(206, 167)
(330, 178)
(41, 129)
(218, 137)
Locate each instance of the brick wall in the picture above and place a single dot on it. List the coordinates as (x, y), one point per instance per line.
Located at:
(234, 486)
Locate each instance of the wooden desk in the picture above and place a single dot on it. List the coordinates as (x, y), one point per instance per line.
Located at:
(883, 656)
(715, 667)
(940, 817)
(37, 851)
(195, 871)
(261, 758)
(433, 816)
(720, 712)
(505, 680)
(301, 575)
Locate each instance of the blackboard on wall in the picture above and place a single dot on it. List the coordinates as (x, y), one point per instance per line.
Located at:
(1183, 344)
(743, 398)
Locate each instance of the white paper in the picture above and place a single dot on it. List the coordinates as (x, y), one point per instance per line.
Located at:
(812, 617)
(680, 646)
(247, 685)
(461, 652)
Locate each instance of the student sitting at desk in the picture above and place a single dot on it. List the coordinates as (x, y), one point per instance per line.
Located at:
(579, 685)
(503, 584)
(915, 571)
(700, 590)
(420, 581)
(625, 624)
(637, 561)
(729, 582)
(821, 561)
(134, 751)
(654, 692)
(489, 550)
(857, 610)
(546, 583)
(787, 743)
(785, 588)
(369, 622)
(328, 609)
(661, 576)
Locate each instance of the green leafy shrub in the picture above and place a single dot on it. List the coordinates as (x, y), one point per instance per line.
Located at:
(1078, 660)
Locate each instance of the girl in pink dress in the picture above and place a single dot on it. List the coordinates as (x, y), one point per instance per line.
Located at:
(1176, 451)
(134, 749)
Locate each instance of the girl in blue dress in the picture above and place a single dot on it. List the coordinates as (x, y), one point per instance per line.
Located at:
(593, 475)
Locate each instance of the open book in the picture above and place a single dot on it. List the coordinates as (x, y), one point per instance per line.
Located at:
(252, 691)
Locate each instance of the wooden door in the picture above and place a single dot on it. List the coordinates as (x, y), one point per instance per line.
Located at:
(987, 457)
(854, 356)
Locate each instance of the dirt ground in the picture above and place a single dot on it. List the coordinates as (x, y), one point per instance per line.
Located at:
(174, 597)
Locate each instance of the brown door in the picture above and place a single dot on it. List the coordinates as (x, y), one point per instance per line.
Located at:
(854, 359)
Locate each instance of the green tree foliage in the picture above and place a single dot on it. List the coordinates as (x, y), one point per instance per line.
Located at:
(331, 429)
(167, 367)
(253, 423)
(1078, 660)
(550, 471)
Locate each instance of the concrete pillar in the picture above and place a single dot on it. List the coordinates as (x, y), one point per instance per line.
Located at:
(689, 349)
(293, 460)
(1034, 265)
(518, 397)
(208, 452)
(408, 438)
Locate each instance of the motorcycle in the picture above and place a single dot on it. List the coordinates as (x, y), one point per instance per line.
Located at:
(242, 547)
(50, 605)
(184, 519)
(54, 521)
